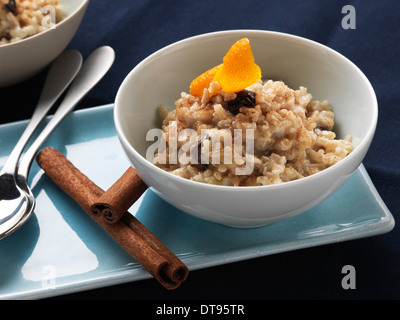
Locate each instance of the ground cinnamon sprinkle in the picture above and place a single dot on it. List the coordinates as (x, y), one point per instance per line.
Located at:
(132, 235)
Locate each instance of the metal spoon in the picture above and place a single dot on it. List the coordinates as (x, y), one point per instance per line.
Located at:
(93, 69)
(61, 74)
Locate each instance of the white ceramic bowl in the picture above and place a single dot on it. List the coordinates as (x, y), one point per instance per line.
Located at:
(160, 78)
(23, 59)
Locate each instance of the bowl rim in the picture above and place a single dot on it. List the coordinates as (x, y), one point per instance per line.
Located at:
(363, 144)
(83, 4)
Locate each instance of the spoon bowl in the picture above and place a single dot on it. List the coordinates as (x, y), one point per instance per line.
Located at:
(13, 201)
(23, 206)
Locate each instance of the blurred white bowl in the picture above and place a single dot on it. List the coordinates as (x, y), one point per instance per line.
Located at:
(23, 59)
(160, 78)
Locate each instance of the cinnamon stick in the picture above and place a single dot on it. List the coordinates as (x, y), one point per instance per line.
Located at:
(113, 203)
(132, 235)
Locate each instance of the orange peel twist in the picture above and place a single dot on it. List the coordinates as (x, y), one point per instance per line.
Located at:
(237, 72)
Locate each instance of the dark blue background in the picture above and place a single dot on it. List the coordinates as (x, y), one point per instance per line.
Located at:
(137, 28)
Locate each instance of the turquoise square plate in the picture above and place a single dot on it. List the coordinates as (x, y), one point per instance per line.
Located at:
(60, 250)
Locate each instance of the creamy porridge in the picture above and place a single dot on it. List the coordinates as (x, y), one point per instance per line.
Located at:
(265, 134)
(20, 19)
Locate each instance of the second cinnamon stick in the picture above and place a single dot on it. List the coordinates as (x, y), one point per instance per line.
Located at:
(113, 203)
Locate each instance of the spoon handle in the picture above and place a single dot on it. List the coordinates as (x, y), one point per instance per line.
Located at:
(92, 71)
(61, 74)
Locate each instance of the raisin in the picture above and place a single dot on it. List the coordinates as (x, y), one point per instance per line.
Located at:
(201, 166)
(11, 6)
(318, 127)
(244, 98)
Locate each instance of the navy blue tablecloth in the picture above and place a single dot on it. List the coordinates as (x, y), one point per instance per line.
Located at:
(135, 29)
